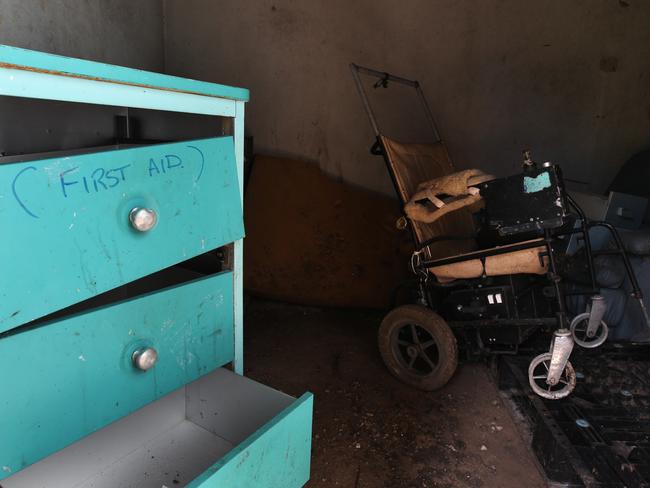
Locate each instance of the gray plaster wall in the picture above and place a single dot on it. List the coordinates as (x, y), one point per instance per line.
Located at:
(123, 32)
(570, 80)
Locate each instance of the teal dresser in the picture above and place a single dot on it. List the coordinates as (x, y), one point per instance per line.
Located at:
(119, 365)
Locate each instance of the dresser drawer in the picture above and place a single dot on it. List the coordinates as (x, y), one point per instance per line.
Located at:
(68, 378)
(222, 431)
(71, 225)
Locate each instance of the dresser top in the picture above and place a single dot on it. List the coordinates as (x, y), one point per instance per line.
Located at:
(17, 58)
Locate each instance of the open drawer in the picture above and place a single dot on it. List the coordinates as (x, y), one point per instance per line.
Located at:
(72, 376)
(223, 430)
(85, 224)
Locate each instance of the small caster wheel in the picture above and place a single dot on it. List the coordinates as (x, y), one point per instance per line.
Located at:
(418, 347)
(537, 372)
(579, 332)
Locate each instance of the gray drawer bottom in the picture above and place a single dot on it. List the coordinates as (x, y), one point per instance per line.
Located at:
(215, 431)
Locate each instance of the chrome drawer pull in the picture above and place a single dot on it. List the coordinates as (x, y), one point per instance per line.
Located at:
(143, 219)
(145, 359)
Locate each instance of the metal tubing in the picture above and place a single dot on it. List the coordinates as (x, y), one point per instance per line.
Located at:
(356, 69)
(584, 224)
(484, 253)
(383, 74)
(555, 278)
(636, 289)
(626, 260)
(433, 240)
(362, 93)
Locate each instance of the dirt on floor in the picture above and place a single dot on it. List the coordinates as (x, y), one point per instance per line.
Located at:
(370, 430)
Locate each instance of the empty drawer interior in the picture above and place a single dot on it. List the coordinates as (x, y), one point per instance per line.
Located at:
(167, 443)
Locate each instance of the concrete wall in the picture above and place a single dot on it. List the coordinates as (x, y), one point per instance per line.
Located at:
(123, 32)
(567, 79)
(120, 32)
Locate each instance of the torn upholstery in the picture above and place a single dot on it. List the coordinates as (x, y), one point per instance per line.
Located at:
(427, 204)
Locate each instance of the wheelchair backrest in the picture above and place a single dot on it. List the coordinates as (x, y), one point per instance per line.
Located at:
(412, 164)
(526, 202)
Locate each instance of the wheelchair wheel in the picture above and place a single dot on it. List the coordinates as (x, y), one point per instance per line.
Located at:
(537, 371)
(418, 347)
(579, 330)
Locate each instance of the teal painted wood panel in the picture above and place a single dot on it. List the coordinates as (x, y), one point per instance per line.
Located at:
(64, 380)
(67, 233)
(35, 84)
(278, 455)
(238, 251)
(53, 63)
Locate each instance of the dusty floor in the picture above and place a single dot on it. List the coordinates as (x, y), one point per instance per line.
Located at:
(371, 431)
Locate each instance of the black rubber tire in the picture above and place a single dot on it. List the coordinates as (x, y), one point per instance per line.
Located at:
(445, 341)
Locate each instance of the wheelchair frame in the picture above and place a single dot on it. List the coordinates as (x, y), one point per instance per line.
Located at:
(429, 290)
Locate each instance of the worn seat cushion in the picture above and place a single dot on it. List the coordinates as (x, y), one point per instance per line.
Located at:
(524, 261)
(637, 242)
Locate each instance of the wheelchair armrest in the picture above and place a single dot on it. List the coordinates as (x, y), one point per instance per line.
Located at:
(436, 239)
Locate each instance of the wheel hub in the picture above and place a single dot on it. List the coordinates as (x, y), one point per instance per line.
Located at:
(412, 351)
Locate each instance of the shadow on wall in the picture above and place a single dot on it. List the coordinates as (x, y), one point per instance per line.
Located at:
(315, 241)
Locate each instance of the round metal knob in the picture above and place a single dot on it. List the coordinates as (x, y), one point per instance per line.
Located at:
(143, 219)
(145, 359)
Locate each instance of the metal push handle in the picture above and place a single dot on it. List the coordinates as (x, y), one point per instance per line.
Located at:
(383, 79)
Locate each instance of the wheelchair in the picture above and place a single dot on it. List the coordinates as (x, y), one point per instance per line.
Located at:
(488, 261)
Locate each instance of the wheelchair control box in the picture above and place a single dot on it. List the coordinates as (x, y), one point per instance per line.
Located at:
(526, 202)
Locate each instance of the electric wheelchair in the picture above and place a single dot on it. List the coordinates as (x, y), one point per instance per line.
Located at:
(489, 260)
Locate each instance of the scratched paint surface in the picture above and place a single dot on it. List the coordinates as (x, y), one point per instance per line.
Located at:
(37, 60)
(67, 233)
(276, 456)
(74, 376)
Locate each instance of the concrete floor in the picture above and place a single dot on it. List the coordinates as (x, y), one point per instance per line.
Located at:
(371, 431)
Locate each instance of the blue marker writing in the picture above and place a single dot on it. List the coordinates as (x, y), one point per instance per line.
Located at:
(13, 190)
(202, 161)
(100, 179)
(65, 183)
(168, 162)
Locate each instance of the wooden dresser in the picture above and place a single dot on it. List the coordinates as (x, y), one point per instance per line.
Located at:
(120, 367)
